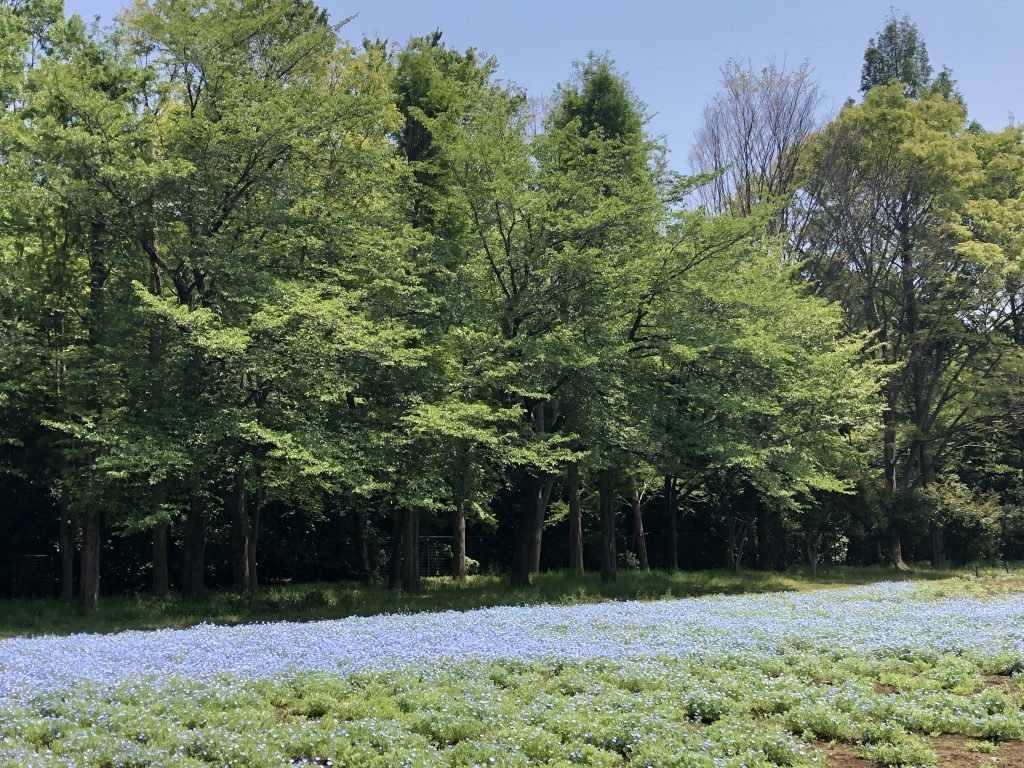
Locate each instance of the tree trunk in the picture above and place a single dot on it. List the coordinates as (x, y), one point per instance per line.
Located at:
(194, 556)
(672, 513)
(521, 542)
(764, 533)
(895, 551)
(89, 578)
(66, 543)
(459, 536)
(736, 537)
(362, 546)
(254, 500)
(539, 513)
(410, 551)
(529, 532)
(572, 482)
(397, 548)
(813, 552)
(89, 562)
(239, 532)
(160, 577)
(938, 545)
(606, 502)
(639, 539)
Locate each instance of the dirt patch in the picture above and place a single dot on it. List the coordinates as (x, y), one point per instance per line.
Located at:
(953, 753)
(1002, 585)
(843, 754)
(885, 688)
(951, 750)
(998, 681)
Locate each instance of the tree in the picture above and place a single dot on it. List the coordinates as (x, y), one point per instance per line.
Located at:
(889, 179)
(749, 142)
(898, 53)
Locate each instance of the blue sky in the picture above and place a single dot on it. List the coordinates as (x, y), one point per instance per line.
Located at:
(672, 51)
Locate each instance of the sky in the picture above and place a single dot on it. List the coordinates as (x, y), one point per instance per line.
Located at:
(672, 51)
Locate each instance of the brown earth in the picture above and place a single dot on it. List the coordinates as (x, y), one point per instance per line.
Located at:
(950, 748)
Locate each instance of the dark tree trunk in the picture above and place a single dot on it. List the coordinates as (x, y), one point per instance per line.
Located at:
(89, 578)
(572, 482)
(67, 548)
(254, 500)
(410, 551)
(813, 552)
(736, 539)
(639, 538)
(938, 545)
(606, 502)
(895, 552)
(89, 562)
(239, 532)
(521, 544)
(539, 512)
(672, 513)
(764, 533)
(362, 546)
(530, 530)
(459, 536)
(397, 548)
(194, 556)
(161, 584)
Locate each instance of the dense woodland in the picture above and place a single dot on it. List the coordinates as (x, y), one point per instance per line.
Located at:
(279, 306)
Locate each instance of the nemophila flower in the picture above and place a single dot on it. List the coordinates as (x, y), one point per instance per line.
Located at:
(586, 684)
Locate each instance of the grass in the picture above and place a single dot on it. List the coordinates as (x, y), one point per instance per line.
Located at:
(306, 602)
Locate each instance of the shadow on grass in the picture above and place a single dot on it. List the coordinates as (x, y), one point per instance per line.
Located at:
(307, 602)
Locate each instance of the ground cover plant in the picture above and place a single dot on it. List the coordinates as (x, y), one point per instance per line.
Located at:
(881, 671)
(308, 601)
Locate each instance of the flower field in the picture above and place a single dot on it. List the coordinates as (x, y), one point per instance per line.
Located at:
(721, 681)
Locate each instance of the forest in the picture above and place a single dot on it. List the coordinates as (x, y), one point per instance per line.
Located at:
(277, 306)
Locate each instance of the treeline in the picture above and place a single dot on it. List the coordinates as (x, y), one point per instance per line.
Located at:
(270, 300)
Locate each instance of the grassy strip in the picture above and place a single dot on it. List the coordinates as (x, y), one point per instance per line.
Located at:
(302, 602)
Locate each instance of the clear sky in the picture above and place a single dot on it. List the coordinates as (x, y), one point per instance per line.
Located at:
(672, 51)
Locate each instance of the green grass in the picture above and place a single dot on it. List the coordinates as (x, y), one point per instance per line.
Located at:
(303, 602)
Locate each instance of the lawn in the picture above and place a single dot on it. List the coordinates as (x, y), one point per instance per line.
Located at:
(915, 672)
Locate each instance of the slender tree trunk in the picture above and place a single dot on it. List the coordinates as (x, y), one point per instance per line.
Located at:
(194, 555)
(161, 580)
(239, 532)
(89, 562)
(521, 540)
(397, 548)
(459, 536)
(537, 526)
(639, 538)
(763, 539)
(89, 578)
(935, 538)
(606, 502)
(572, 482)
(362, 546)
(813, 552)
(736, 539)
(928, 477)
(67, 548)
(254, 500)
(672, 513)
(410, 551)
